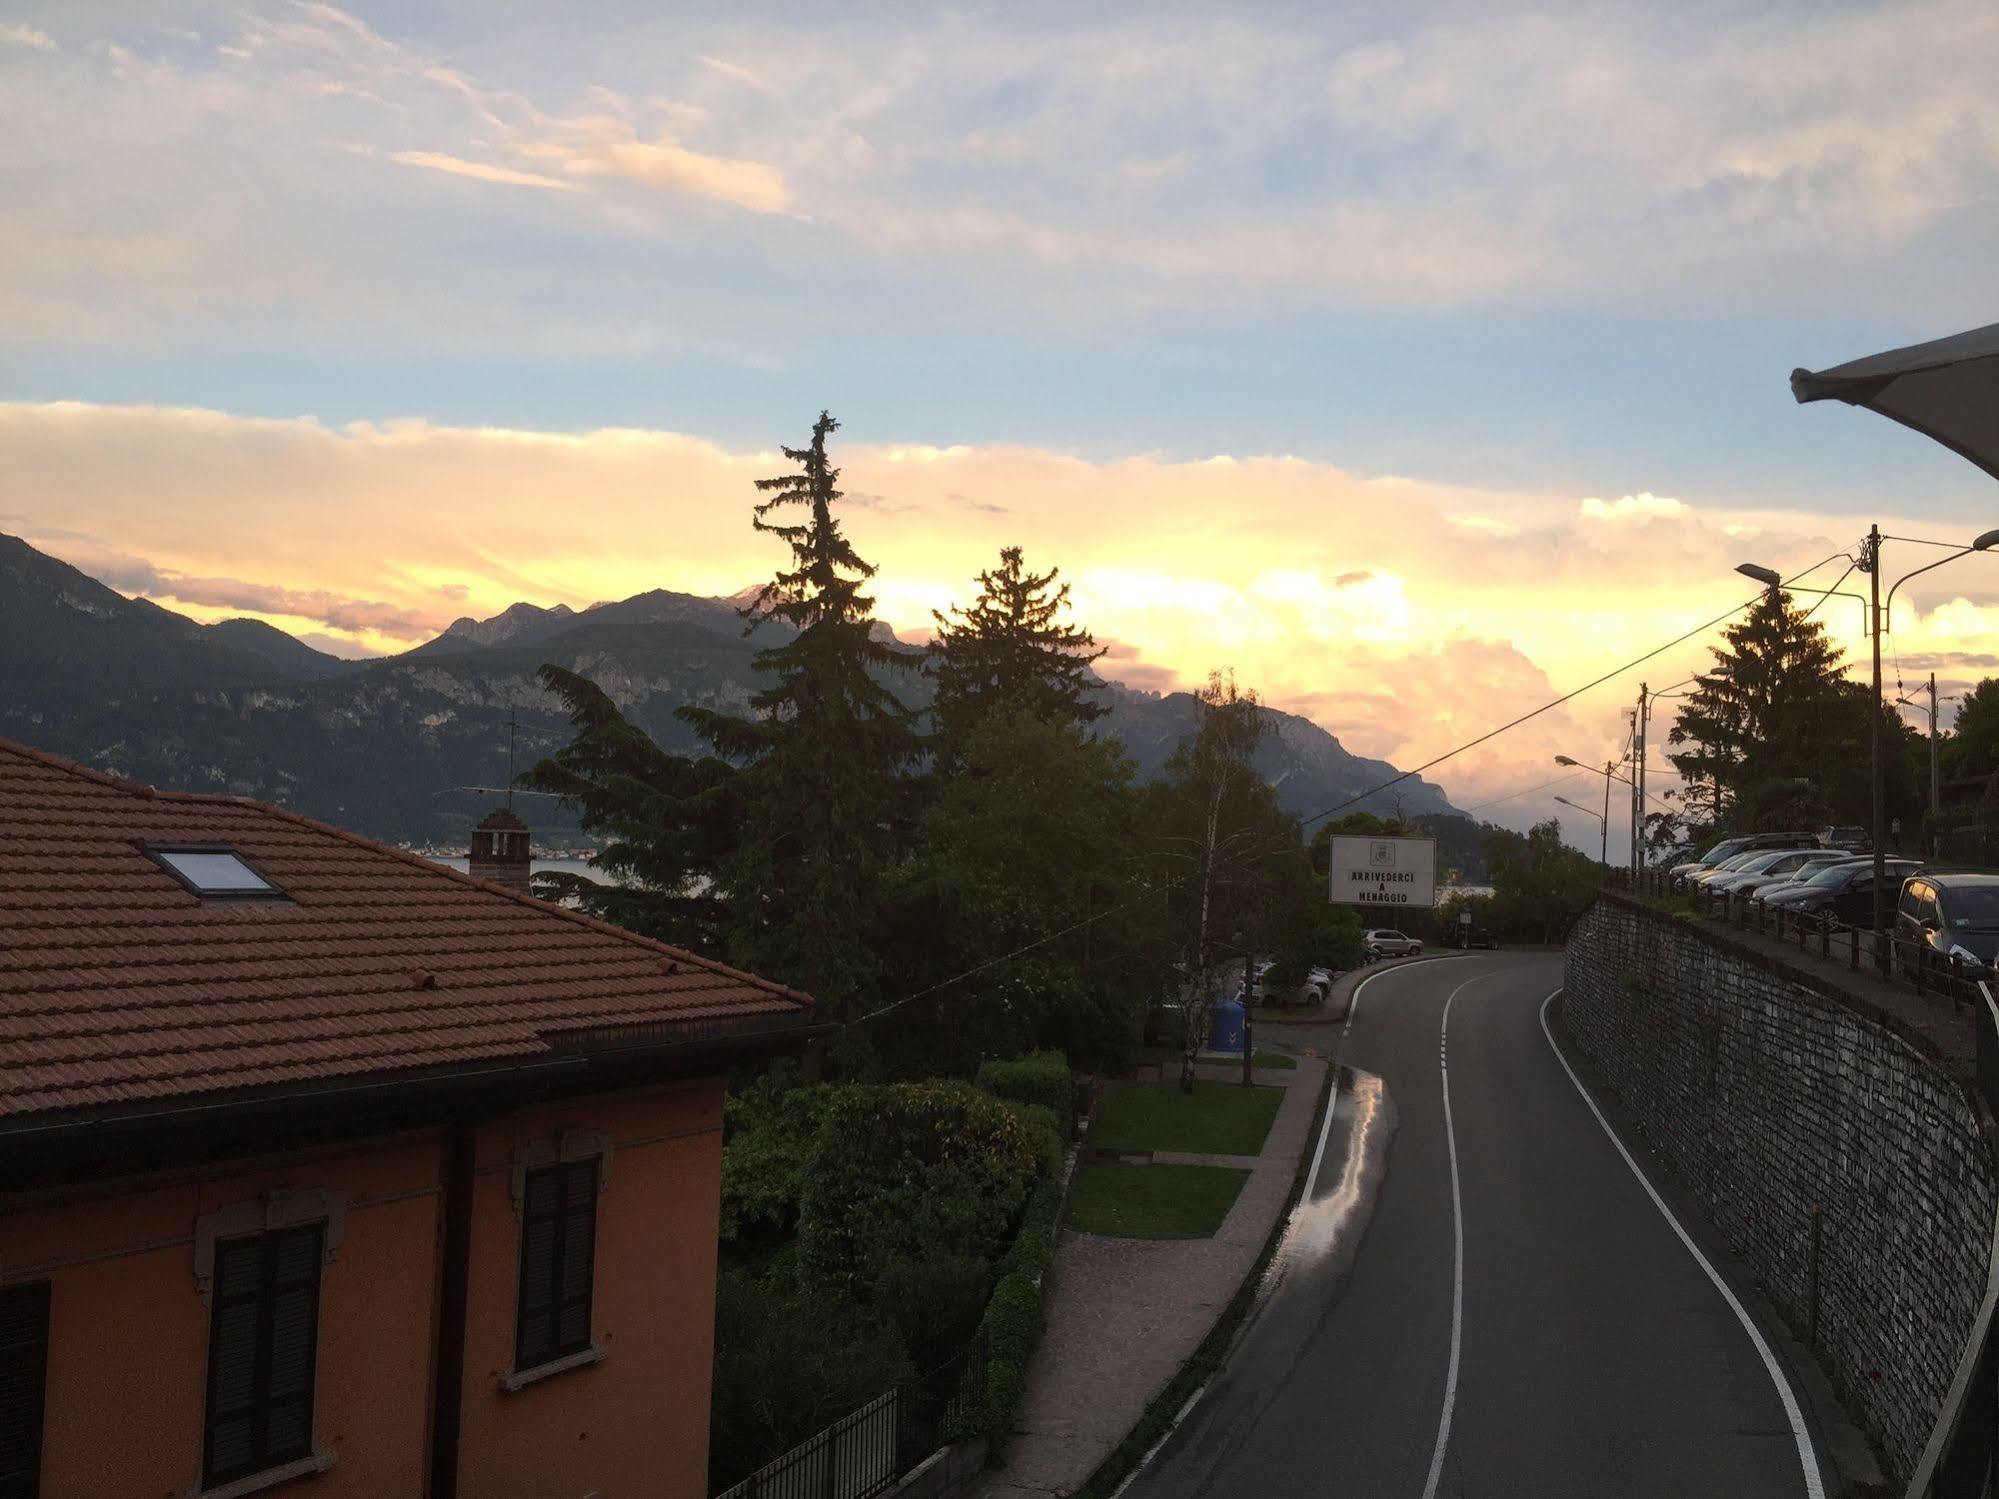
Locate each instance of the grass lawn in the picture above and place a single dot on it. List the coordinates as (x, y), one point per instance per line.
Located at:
(1170, 1055)
(1124, 1201)
(1217, 1118)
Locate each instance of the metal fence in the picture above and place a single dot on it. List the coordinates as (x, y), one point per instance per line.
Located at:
(864, 1452)
(1896, 958)
(859, 1455)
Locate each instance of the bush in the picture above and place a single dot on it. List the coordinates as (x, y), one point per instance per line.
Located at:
(1040, 1077)
(772, 1129)
(1011, 1325)
(1046, 1133)
(908, 1170)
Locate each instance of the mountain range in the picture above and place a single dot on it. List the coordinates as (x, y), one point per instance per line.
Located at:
(388, 746)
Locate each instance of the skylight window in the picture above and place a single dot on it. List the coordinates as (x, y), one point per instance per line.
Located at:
(218, 871)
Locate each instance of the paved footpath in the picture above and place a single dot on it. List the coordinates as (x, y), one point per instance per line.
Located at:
(1125, 1314)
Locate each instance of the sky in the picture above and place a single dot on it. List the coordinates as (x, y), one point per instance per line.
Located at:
(1419, 363)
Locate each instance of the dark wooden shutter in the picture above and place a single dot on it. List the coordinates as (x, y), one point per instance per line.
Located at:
(262, 1345)
(558, 1262)
(24, 1357)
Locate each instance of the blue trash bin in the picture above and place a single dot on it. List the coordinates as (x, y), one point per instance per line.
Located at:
(1225, 1026)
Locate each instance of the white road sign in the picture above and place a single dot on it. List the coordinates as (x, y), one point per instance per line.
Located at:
(1384, 871)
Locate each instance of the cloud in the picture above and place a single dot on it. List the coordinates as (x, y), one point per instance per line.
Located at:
(138, 577)
(736, 71)
(614, 151)
(18, 34)
(383, 530)
(1635, 507)
(482, 171)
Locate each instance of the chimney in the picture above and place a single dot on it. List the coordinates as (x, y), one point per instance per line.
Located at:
(500, 850)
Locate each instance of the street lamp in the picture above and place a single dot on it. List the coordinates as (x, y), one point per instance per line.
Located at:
(1603, 818)
(1609, 774)
(1869, 562)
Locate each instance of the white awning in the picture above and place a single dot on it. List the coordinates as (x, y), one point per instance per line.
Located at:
(1947, 389)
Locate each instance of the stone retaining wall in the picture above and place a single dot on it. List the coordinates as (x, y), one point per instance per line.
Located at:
(1774, 1095)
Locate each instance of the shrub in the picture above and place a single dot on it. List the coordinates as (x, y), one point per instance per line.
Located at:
(1045, 1132)
(1040, 1077)
(907, 1170)
(1011, 1325)
(772, 1128)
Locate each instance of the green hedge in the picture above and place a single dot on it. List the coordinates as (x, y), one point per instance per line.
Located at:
(1044, 1129)
(1039, 1077)
(909, 1171)
(1012, 1323)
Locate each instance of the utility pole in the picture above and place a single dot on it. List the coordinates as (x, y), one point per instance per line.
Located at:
(1638, 779)
(1603, 847)
(1880, 829)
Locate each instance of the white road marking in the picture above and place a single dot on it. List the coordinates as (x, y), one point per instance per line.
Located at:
(1458, 1253)
(1335, 1057)
(1807, 1459)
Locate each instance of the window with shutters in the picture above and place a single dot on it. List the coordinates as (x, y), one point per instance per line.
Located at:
(24, 1357)
(558, 1253)
(262, 1341)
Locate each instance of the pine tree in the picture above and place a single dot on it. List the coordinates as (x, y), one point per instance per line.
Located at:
(1774, 711)
(821, 758)
(1011, 649)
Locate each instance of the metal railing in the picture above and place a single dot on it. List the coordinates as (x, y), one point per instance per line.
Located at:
(1899, 958)
(864, 1452)
(859, 1455)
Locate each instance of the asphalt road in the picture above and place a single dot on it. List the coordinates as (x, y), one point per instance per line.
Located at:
(1594, 1354)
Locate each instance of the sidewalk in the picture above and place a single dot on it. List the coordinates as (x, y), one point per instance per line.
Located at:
(1125, 1314)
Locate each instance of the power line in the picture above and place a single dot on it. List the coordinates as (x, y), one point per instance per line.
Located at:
(1077, 926)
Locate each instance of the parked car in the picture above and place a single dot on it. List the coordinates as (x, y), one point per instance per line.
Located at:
(1853, 840)
(1742, 843)
(1781, 869)
(1318, 984)
(1745, 867)
(1388, 943)
(1258, 990)
(1941, 916)
(1458, 935)
(1742, 861)
(1845, 889)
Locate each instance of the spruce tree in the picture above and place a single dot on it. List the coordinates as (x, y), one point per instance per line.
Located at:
(1776, 709)
(1011, 649)
(822, 755)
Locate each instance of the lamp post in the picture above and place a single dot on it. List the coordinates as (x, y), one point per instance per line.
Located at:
(1879, 616)
(1609, 774)
(1603, 819)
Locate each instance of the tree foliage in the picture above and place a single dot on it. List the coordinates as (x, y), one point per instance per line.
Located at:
(1011, 650)
(1775, 714)
(823, 753)
(668, 821)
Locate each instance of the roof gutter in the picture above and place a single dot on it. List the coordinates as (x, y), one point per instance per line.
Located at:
(140, 1137)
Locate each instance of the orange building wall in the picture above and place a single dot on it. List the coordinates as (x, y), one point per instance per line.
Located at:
(128, 1335)
(637, 1423)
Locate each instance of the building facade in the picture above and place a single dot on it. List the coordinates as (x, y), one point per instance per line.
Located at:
(326, 1171)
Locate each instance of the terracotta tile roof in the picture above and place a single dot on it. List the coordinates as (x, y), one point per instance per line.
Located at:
(117, 984)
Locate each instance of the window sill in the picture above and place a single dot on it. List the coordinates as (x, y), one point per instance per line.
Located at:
(519, 1379)
(316, 1461)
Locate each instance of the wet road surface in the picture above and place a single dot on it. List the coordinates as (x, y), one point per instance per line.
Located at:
(1594, 1356)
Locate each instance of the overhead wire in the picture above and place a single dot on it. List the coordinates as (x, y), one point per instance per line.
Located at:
(1513, 723)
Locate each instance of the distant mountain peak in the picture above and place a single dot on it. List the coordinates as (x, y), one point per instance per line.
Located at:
(509, 622)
